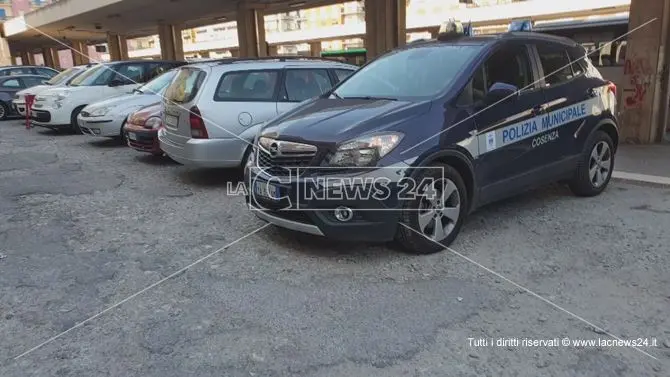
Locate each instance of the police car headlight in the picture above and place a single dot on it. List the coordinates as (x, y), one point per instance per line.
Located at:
(365, 151)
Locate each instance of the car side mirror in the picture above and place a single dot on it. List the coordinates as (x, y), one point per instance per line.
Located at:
(500, 91)
(116, 82)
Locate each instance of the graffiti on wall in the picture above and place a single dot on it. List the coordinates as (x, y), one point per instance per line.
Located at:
(638, 75)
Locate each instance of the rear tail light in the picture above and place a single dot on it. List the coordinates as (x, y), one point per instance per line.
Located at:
(611, 87)
(198, 130)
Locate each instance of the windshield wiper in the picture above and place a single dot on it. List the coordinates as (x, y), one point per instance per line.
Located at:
(369, 98)
(137, 91)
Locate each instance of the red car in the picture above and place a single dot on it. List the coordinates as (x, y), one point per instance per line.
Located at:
(141, 129)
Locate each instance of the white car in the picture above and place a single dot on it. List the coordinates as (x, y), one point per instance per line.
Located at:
(58, 108)
(60, 80)
(106, 118)
(212, 111)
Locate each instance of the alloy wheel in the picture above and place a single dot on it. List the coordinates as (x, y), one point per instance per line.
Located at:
(439, 209)
(600, 164)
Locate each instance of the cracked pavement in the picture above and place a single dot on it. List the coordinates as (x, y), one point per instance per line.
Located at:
(85, 223)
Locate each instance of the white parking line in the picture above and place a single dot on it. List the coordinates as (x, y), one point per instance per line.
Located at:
(643, 178)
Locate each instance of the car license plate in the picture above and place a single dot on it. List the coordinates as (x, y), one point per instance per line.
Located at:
(266, 190)
(132, 136)
(171, 121)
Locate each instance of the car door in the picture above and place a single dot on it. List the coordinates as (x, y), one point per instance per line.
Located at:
(242, 99)
(128, 76)
(567, 103)
(300, 84)
(9, 86)
(504, 128)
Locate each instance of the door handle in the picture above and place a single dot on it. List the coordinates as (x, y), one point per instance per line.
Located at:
(537, 110)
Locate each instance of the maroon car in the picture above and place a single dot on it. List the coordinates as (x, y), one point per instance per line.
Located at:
(141, 129)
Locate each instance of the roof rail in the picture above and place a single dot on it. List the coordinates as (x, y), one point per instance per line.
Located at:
(282, 58)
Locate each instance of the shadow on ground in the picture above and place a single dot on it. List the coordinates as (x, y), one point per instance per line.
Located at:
(210, 177)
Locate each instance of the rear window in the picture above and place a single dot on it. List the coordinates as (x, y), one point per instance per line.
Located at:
(185, 86)
(247, 86)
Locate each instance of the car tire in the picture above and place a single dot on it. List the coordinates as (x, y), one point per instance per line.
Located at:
(4, 111)
(245, 156)
(74, 125)
(418, 231)
(122, 134)
(595, 166)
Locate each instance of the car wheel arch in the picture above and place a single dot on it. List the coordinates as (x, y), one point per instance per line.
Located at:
(609, 127)
(463, 163)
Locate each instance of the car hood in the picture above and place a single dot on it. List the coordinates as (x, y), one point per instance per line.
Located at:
(125, 101)
(54, 91)
(333, 121)
(34, 90)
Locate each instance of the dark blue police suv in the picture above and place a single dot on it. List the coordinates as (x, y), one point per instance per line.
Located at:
(405, 148)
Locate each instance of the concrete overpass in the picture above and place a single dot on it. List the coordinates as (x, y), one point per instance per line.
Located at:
(94, 21)
(76, 22)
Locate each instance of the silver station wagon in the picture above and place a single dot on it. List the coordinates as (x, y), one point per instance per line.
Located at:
(213, 110)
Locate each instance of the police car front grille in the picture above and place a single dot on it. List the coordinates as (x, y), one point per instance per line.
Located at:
(284, 165)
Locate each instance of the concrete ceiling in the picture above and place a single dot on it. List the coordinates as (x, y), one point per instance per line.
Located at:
(91, 20)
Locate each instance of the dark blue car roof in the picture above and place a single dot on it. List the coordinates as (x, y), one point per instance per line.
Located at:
(493, 38)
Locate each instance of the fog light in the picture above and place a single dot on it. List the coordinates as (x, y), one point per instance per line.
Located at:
(343, 214)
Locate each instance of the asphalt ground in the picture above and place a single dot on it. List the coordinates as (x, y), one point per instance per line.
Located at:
(86, 224)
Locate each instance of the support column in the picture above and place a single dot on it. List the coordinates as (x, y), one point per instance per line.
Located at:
(251, 32)
(50, 56)
(315, 49)
(117, 47)
(385, 26)
(80, 53)
(644, 99)
(273, 50)
(172, 44)
(14, 60)
(27, 58)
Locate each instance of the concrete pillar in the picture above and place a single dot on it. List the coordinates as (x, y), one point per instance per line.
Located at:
(27, 58)
(315, 49)
(251, 32)
(15, 60)
(273, 50)
(234, 52)
(51, 59)
(117, 47)
(80, 53)
(644, 100)
(172, 44)
(385, 25)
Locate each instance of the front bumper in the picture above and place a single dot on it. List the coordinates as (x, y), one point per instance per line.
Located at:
(205, 153)
(19, 107)
(372, 220)
(100, 126)
(50, 117)
(142, 139)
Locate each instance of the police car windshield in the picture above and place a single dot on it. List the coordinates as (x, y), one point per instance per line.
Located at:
(414, 73)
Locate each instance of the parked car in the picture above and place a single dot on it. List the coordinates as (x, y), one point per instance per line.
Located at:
(447, 126)
(60, 80)
(141, 129)
(213, 110)
(28, 70)
(10, 85)
(106, 118)
(58, 108)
